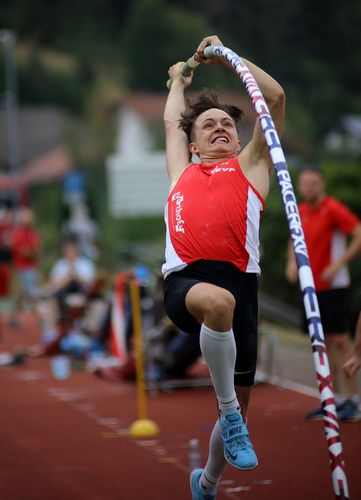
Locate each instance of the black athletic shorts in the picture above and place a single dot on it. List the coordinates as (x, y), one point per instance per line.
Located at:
(334, 310)
(244, 288)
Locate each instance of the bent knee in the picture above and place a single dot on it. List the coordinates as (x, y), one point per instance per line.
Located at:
(211, 304)
(220, 304)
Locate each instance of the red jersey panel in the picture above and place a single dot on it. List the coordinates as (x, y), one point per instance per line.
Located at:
(325, 228)
(213, 213)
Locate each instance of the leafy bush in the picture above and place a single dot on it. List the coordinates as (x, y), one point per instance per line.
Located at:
(38, 84)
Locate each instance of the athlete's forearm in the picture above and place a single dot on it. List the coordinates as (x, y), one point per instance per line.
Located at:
(175, 104)
(270, 88)
(274, 96)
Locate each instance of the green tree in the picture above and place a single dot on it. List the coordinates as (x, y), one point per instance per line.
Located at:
(150, 48)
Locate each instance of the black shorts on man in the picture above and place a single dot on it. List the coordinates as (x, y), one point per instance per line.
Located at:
(334, 308)
(244, 288)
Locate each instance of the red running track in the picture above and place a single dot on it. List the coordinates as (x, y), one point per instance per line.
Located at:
(67, 440)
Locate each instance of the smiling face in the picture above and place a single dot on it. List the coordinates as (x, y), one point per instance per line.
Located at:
(214, 136)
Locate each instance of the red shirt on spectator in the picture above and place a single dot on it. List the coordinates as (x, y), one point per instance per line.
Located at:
(325, 228)
(25, 247)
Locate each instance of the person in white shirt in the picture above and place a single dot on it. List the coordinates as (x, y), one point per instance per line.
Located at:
(71, 279)
(72, 268)
(71, 274)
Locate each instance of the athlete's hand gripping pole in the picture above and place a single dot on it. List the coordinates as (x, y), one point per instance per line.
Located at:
(315, 329)
(188, 67)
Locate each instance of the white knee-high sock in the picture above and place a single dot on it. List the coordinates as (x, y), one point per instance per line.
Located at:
(215, 464)
(219, 352)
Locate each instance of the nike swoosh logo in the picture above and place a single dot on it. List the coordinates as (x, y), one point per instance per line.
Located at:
(232, 457)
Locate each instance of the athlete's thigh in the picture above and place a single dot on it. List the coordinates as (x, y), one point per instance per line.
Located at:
(208, 300)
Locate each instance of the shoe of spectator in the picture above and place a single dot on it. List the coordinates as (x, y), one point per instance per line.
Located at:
(347, 406)
(316, 414)
(349, 411)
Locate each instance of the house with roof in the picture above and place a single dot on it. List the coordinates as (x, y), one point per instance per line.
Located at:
(42, 152)
(43, 156)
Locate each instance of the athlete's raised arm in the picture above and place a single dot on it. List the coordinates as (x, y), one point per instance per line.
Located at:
(254, 158)
(177, 147)
(256, 153)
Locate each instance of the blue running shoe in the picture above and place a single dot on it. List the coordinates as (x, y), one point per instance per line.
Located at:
(196, 491)
(238, 449)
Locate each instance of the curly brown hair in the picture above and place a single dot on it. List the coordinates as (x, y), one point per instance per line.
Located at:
(207, 100)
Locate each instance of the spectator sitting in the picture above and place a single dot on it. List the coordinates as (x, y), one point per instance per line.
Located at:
(71, 280)
(72, 270)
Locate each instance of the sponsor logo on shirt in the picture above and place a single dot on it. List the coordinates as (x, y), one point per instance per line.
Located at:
(178, 198)
(216, 170)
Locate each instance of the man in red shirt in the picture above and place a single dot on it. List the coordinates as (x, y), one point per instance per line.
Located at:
(326, 224)
(25, 252)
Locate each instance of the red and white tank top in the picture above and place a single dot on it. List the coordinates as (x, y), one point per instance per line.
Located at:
(213, 213)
